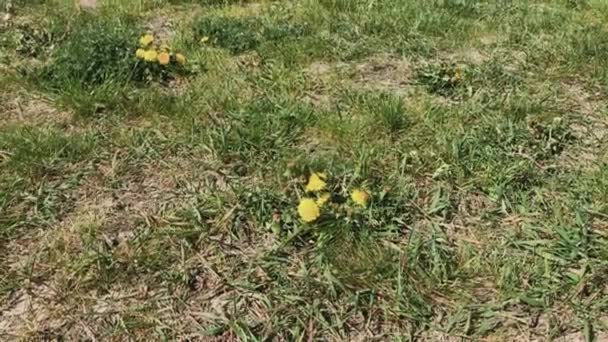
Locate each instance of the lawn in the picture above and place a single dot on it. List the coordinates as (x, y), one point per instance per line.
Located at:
(302, 170)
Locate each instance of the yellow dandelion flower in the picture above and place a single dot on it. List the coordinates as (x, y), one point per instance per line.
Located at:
(181, 59)
(360, 197)
(316, 182)
(140, 53)
(308, 210)
(151, 56)
(164, 58)
(146, 40)
(323, 199)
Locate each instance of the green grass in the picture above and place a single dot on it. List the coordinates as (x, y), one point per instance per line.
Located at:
(142, 203)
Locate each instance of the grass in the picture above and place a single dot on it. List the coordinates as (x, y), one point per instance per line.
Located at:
(141, 202)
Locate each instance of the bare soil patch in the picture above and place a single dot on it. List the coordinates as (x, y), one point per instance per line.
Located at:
(29, 109)
(385, 73)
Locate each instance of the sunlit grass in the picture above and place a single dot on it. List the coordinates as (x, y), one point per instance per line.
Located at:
(320, 169)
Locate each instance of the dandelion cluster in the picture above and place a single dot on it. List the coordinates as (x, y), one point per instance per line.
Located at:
(149, 52)
(317, 197)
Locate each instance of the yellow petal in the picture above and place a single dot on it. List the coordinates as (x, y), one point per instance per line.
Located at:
(323, 199)
(181, 59)
(360, 197)
(140, 53)
(151, 56)
(146, 40)
(316, 182)
(308, 210)
(164, 58)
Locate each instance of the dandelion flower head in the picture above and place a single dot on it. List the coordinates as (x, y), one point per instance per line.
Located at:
(164, 58)
(316, 182)
(181, 59)
(360, 197)
(323, 199)
(146, 40)
(140, 53)
(151, 56)
(308, 210)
